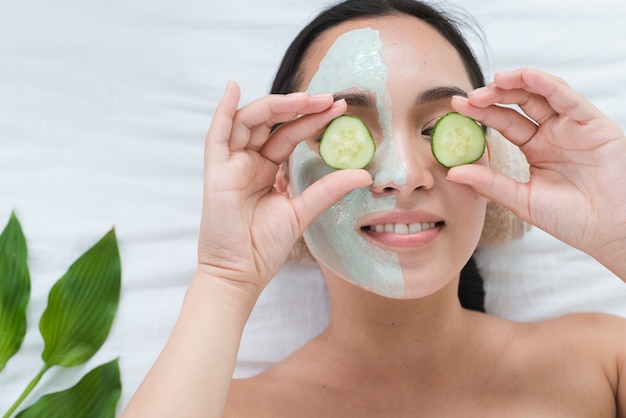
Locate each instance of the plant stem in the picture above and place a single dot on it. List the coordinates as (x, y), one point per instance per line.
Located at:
(27, 391)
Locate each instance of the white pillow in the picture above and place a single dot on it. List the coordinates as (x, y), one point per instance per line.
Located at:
(539, 277)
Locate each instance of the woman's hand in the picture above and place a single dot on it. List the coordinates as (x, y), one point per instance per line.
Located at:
(248, 228)
(577, 157)
(247, 231)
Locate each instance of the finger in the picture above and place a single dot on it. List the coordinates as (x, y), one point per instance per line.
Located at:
(284, 140)
(494, 186)
(514, 126)
(325, 192)
(216, 141)
(560, 96)
(253, 122)
(533, 105)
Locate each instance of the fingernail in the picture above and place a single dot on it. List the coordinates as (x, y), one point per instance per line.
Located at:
(296, 94)
(230, 84)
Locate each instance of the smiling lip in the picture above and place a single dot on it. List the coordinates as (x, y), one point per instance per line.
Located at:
(409, 230)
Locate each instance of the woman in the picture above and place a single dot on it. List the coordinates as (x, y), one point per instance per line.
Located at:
(398, 342)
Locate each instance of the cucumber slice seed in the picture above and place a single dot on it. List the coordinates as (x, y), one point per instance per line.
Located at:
(347, 143)
(457, 139)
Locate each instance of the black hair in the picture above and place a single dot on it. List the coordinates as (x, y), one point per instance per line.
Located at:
(471, 290)
(288, 76)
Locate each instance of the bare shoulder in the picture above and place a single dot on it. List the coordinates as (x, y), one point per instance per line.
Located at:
(593, 332)
(245, 396)
(291, 388)
(577, 338)
(266, 395)
(583, 339)
(587, 328)
(578, 357)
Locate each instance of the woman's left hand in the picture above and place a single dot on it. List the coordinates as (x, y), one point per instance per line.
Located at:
(577, 157)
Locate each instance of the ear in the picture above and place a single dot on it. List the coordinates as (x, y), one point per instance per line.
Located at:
(282, 180)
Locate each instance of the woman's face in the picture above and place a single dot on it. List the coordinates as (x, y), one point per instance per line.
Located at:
(411, 231)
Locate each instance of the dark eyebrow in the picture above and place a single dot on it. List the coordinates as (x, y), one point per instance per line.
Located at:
(360, 99)
(368, 99)
(439, 93)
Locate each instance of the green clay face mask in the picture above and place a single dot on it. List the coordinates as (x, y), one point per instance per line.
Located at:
(355, 60)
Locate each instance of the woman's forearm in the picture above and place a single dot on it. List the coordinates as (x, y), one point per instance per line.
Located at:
(192, 375)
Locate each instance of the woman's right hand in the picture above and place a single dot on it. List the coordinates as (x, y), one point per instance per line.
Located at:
(248, 228)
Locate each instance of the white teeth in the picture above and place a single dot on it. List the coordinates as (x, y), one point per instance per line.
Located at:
(403, 229)
(417, 227)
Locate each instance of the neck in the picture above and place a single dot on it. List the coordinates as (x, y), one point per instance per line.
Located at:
(393, 332)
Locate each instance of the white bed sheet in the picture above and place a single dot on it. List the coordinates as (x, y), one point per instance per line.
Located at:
(103, 110)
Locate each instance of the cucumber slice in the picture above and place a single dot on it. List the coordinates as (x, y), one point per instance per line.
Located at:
(457, 139)
(347, 143)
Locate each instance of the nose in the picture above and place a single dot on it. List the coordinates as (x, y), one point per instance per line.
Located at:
(402, 165)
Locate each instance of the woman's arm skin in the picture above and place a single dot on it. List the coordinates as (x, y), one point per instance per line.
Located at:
(577, 157)
(247, 230)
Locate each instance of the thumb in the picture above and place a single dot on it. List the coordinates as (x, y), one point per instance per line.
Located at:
(325, 192)
(495, 186)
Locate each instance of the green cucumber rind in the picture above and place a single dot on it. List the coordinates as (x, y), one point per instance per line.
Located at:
(365, 155)
(438, 146)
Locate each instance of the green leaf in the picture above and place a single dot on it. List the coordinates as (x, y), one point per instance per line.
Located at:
(14, 289)
(82, 305)
(95, 396)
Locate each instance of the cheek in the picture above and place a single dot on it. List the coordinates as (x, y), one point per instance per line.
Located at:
(305, 168)
(469, 216)
(462, 196)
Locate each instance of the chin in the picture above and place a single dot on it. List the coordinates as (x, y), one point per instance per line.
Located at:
(388, 285)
